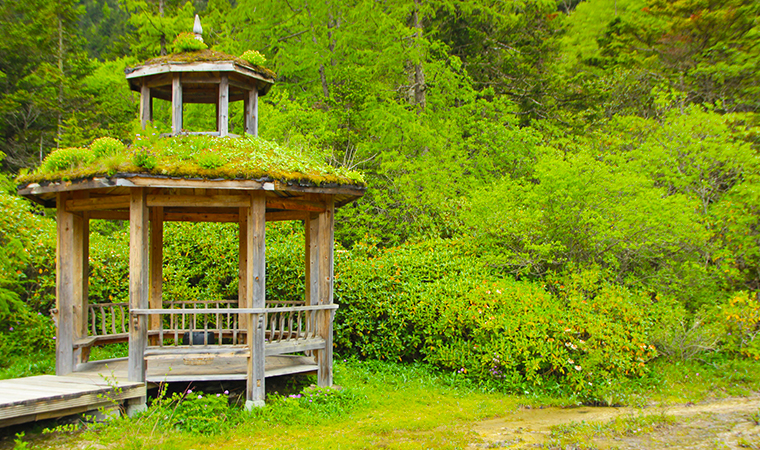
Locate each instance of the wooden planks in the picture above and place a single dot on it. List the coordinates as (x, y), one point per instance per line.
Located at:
(251, 112)
(156, 264)
(48, 396)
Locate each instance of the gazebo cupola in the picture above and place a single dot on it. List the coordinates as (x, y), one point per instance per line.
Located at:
(204, 76)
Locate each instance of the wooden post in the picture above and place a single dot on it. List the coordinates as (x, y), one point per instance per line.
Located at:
(176, 104)
(224, 102)
(243, 266)
(139, 281)
(251, 106)
(146, 105)
(325, 322)
(65, 287)
(255, 293)
(81, 275)
(156, 266)
(311, 226)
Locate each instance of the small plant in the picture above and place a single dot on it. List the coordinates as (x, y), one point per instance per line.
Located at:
(18, 443)
(187, 42)
(67, 158)
(755, 418)
(253, 58)
(209, 160)
(143, 158)
(106, 146)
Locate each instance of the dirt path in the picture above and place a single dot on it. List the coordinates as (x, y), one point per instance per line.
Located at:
(724, 424)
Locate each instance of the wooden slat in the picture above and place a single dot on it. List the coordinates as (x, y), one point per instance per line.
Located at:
(207, 201)
(312, 261)
(298, 205)
(176, 104)
(139, 281)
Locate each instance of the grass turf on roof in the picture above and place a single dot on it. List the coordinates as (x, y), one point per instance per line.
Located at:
(208, 157)
(209, 56)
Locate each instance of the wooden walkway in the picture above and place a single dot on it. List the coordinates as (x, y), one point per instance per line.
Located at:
(49, 396)
(103, 384)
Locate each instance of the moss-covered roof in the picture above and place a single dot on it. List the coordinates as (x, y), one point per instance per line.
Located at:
(247, 158)
(207, 55)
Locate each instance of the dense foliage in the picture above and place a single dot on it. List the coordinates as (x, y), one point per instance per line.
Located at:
(559, 191)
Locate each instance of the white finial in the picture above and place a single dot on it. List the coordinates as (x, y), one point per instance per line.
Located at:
(197, 29)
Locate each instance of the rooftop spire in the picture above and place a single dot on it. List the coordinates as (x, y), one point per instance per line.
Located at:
(197, 29)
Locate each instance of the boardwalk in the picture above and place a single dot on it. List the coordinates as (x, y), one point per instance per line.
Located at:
(49, 396)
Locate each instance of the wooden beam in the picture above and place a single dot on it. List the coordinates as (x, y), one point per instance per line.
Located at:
(326, 248)
(277, 216)
(146, 110)
(224, 106)
(98, 203)
(156, 266)
(176, 104)
(139, 282)
(256, 297)
(64, 287)
(109, 215)
(312, 261)
(205, 201)
(200, 217)
(297, 205)
(251, 115)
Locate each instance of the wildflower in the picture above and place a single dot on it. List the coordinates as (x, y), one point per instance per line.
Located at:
(189, 391)
(218, 395)
(10, 329)
(226, 392)
(570, 361)
(578, 368)
(200, 397)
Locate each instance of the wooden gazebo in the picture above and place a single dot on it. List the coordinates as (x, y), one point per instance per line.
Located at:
(247, 338)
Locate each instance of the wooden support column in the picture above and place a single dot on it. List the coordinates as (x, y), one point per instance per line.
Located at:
(325, 321)
(251, 115)
(81, 264)
(242, 258)
(176, 104)
(311, 226)
(139, 281)
(156, 266)
(146, 105)
(66, 277)
(223, 119)
(255, 297)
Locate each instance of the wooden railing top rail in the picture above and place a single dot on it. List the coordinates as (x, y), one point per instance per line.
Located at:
(147, 311)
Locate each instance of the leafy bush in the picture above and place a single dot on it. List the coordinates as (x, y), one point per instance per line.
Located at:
(253, 58)
(187, 42)
(107, 146)
(437, 301)
(67, 159)
(144, 158)
(209, 160)
(195, 412)
(740, 319)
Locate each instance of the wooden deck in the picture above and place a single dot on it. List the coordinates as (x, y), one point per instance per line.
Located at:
(49, 396)
(93, 385)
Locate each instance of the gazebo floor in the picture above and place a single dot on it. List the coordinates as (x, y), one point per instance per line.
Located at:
(210, 368)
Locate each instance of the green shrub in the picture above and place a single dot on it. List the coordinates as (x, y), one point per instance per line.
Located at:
(144, 158)
(186, 42)
(253, 58)
(107, 146)
(195, 412)
(67, 159)
(739, 319)
(209, 160)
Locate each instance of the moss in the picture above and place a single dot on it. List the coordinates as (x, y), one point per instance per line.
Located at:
(196, 157)
(210, 56)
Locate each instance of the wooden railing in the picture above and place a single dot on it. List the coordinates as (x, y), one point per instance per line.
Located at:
(287, 329)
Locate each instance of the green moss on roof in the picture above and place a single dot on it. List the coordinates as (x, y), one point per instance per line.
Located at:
(195, 157)
(209, 56)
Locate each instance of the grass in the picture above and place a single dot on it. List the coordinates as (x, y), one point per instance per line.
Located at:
(399, 406)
